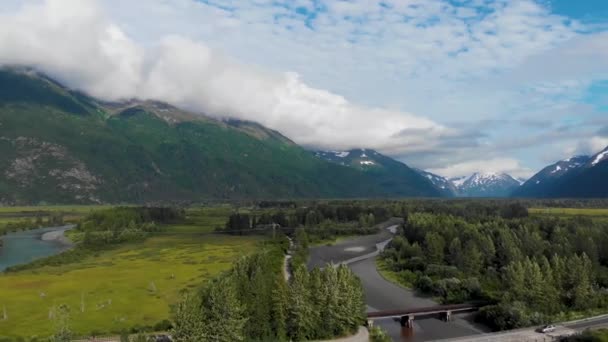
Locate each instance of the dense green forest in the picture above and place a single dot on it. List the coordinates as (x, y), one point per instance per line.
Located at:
(322, 221)
(534, 269)
(254, 302)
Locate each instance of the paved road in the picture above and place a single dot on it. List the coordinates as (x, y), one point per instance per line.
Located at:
(531, 335)
(594, 323)
(383, 295)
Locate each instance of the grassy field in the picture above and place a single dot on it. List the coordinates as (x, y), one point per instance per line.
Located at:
(133, 285)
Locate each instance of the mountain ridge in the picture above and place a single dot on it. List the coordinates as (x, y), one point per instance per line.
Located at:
(83, 150)
(578, 176)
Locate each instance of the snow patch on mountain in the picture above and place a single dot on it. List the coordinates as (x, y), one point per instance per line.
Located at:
(600, 157)
(458, 181)
(557, 168)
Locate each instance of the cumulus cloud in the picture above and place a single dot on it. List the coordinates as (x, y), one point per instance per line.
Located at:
(73, 41)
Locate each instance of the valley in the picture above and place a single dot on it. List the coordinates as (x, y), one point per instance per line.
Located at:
(102, 286)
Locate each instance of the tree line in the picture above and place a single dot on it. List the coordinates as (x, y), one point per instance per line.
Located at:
(322, 221)
(125, 224)
(39, 221)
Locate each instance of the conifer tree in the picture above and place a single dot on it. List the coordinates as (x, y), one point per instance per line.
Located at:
(300, 324)
(280, 302)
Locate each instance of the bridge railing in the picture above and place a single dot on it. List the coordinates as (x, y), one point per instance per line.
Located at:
(425, 310)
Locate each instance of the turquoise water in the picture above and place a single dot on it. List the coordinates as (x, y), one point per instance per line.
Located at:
(26, 246)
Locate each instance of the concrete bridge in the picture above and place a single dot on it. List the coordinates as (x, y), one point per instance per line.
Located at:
(406, 316)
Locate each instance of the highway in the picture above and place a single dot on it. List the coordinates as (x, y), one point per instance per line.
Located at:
(531, 335)
(383, 295)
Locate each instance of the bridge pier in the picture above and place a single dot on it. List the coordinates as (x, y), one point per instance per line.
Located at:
(407, 321)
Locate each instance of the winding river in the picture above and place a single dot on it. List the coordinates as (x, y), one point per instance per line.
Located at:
(359, 253)
(25, 246)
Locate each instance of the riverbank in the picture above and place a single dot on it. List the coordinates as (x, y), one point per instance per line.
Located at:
(23, 247)
(59, 236)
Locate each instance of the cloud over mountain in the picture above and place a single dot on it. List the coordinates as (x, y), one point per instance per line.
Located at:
(73, 41)
(414, 79)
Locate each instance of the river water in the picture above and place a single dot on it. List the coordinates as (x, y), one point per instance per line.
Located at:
(383, 295)
(25, 246)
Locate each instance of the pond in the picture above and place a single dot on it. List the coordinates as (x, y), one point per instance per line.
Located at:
(25, 246)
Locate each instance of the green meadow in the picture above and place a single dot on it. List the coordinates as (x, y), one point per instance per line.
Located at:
(133, 285)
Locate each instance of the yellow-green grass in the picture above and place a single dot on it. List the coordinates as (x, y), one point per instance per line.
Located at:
(570, 211)
(132, 285)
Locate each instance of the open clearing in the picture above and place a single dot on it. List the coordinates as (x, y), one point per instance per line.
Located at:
(133, 285)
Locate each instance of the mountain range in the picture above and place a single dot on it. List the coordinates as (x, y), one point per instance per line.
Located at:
(476, 185)
(479, 184)
(62, 146)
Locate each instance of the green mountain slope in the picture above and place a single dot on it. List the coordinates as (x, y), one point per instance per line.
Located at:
(390, 172)
(58, 146)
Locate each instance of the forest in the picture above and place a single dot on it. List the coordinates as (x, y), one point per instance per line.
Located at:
(254, 302)
(322, 221)
(531, 269)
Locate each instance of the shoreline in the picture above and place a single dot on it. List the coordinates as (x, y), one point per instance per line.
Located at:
(58, 236)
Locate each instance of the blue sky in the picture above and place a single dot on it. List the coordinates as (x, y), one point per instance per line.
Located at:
(452, 86)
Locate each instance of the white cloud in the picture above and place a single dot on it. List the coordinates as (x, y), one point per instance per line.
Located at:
(73, 41)
(497, 165)
(588, 146)
(402, 73)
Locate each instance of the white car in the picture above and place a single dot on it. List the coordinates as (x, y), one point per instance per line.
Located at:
(547, 329)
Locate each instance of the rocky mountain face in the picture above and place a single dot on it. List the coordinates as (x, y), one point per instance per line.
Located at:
(61, 146)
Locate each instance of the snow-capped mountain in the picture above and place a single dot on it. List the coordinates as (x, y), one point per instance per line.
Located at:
(477, 185)
(580, 176)
(486, 184)
(441, 183)
(600, 157)
(542, 183)
(383, 169)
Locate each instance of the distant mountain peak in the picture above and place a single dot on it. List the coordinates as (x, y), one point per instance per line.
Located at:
(485, 184)
(578, 176)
